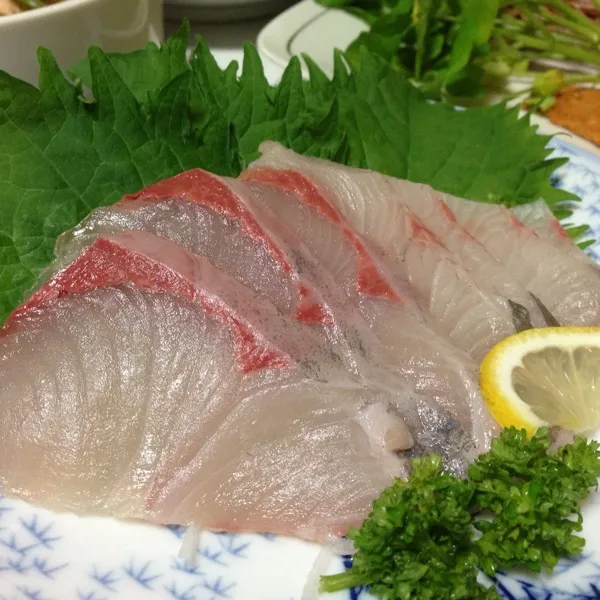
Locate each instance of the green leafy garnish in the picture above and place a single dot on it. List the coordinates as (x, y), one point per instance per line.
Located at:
(418, 536)
(419, 541)
(126, 121)
(464, 50)
(533, 496)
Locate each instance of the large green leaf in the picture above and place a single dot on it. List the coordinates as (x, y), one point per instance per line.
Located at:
(151, 115)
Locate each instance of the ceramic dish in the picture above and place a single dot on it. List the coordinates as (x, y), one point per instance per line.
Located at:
(223, 11)
(68, 28)
(308, 28)
(48, 556)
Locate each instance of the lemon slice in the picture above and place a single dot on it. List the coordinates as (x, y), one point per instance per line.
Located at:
(545, 377)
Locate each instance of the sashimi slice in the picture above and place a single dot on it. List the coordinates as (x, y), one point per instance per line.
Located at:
(130, 403)
(483, 269)
(564, 285)
(538, 216)
(184, 210)
(426, 360)
(224, 232)
(377, 206)
(203, 232)
(154, 264)
(473, 319)
(442, 377)
(175, 209)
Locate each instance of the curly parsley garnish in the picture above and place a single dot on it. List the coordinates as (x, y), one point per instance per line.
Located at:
(420, 541)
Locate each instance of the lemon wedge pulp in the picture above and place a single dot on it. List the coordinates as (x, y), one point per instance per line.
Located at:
(545, 377)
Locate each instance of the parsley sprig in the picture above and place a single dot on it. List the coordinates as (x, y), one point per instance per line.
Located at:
(421, 542)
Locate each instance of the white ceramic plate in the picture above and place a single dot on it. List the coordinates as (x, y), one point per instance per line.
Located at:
(308, 28)
(48, 556)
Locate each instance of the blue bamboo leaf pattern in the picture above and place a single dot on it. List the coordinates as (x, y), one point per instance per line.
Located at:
(187, 594)
(106, 579)
(141, 574)
(42, 533)
(89, 596)
(17, 545)
(211, 554)
(46, 569)
(32, 593)
(233, 544)
(18, 565)
(185, 567)
(219, 587)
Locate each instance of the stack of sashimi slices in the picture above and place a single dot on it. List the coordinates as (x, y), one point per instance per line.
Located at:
(267, 353)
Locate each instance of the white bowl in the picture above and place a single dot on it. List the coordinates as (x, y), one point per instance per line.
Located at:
(68, 28)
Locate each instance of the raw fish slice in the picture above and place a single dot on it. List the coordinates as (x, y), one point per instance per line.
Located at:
(473, 319)
(202, 231)
(538, 216)
(193, 218)
(483, 269)
(440, 375)
(565, 286)
(430, 364)
(264, 337)
(157, 209)
(110, 395)
(198, 211)
(376, 205)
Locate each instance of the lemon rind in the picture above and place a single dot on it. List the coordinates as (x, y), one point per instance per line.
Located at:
(504, 404)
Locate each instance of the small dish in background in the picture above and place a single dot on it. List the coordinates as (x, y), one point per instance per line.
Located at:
(309, 28)
(221, 11)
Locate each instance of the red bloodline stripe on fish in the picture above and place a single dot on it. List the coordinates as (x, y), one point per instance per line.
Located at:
(370, 280)
(110, 262)
(309, 311)
(420, 232)
(558, 229)
(518, 223)
(209, 190)
(446, 210)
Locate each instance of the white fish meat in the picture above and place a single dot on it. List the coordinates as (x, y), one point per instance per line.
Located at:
(538, 216)
(377, 206)
(428, 361)
(183, 210)
(135, 386)
(473, 317)
(567, 288)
